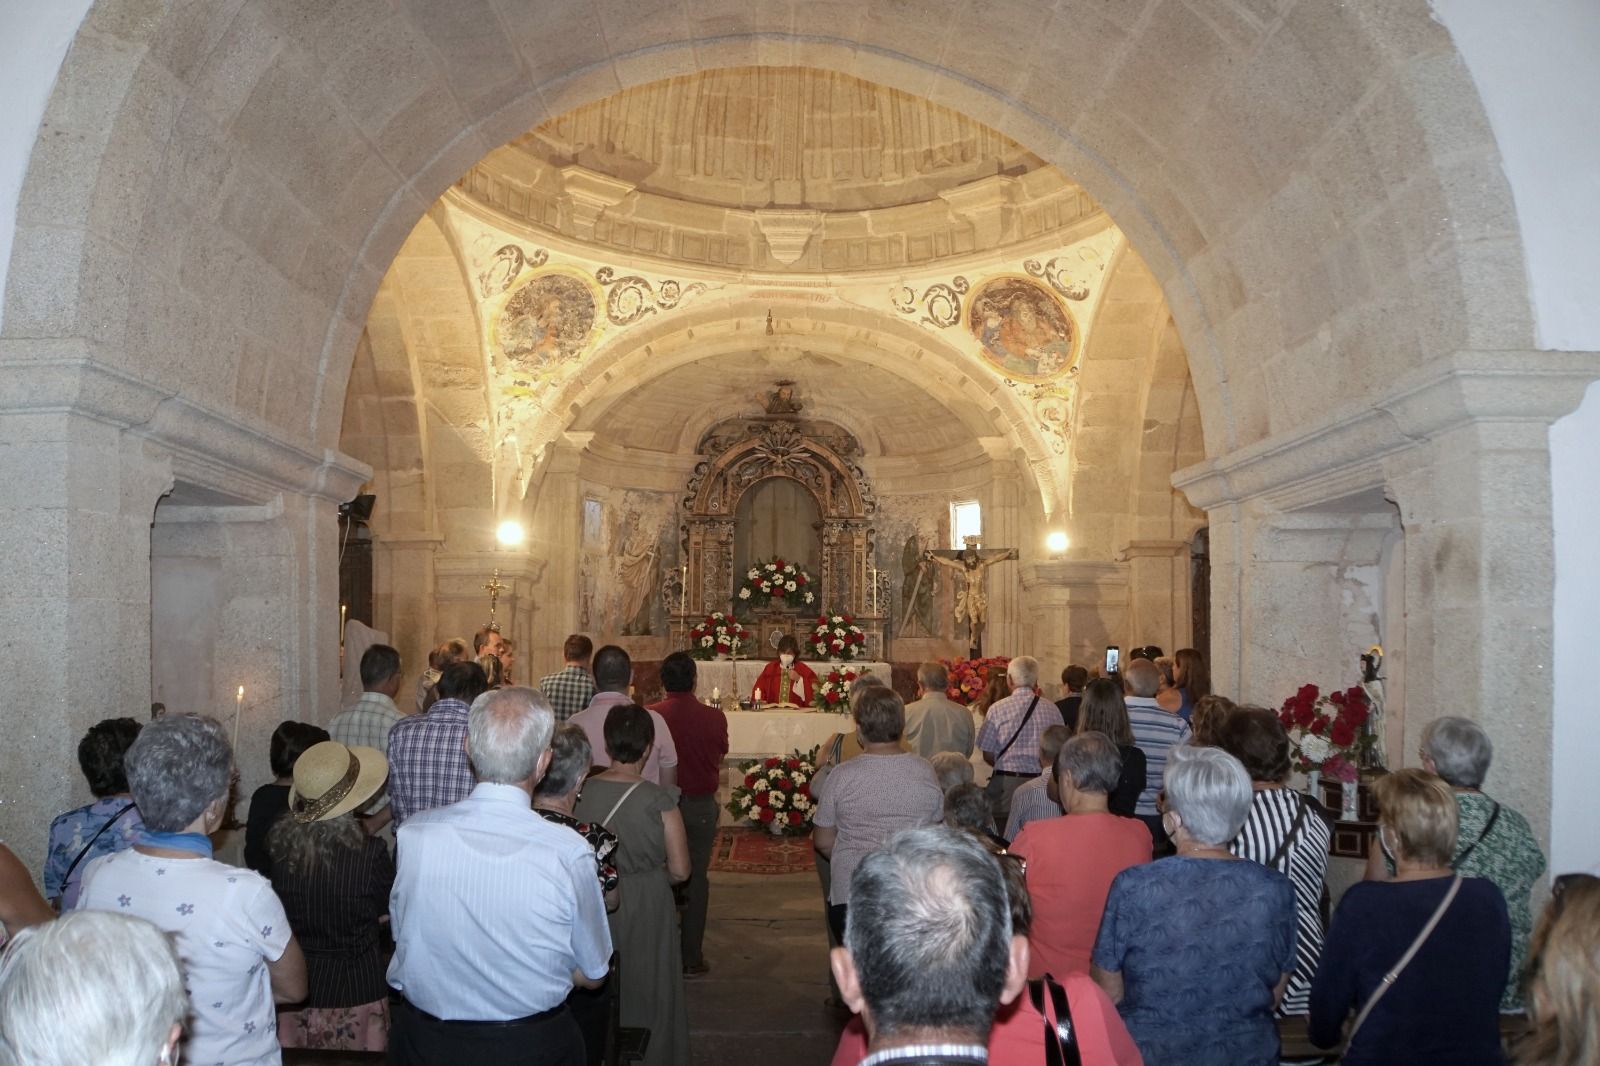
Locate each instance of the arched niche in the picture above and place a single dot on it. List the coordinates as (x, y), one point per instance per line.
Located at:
(741, 453)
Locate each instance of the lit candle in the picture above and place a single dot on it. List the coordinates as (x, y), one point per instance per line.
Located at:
(238, 705)
(342, 610)
(683, 591)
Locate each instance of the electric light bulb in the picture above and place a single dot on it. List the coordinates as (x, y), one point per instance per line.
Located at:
(509, 534)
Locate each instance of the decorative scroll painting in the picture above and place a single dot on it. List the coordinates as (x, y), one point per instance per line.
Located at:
(1023, 330)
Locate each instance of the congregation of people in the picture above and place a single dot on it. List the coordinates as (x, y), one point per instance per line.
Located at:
(519, 874)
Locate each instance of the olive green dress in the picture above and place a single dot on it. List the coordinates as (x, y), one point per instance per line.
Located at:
(644, 927)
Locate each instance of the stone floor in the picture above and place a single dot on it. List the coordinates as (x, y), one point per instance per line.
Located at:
(766, 993)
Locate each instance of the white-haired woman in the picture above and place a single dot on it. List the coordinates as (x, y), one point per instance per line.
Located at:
(334, 881)
(239, 954)
(94, 987)
(1196, 950)
(1493, 840)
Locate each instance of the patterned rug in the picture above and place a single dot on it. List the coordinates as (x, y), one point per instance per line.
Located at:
(741, 850)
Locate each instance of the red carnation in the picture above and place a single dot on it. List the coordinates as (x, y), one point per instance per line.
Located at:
(795, 818)
(767, 814)
(1303, 716)
(804, 790)
(800, 579)
(749, 780)
(771, 764)
(783, 784)
(1308, 694)
(1319, 725)
(778, 563)
(791, 764)
(1343, 733)
(1355, 714)
(762, 800)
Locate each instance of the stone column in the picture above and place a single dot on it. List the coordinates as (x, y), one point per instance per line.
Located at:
(76, 496)
(1158, 593)
(1074, 609)
(1002, 528)
(405, 598)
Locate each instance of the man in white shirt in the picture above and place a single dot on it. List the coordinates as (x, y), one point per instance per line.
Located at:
(613, 676)
(497, 913)
(935, 722)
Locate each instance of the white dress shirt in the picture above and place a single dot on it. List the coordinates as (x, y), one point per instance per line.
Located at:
(493, 908)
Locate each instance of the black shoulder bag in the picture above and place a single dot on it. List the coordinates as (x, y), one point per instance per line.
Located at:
(1060, 1036)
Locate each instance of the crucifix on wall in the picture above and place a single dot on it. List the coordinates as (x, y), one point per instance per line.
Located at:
(970, 563)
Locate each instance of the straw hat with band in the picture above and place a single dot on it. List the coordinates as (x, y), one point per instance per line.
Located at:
(331, 779)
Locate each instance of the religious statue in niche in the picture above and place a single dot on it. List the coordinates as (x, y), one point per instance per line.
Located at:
(1023, 330)
(546, 322)
(972, 606)
(917, 591)
(636, 577)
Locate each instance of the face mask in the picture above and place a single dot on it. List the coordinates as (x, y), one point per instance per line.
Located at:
(786, 659)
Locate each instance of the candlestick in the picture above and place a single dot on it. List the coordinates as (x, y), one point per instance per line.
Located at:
(343, 609)
(683, 590)
(238, 705)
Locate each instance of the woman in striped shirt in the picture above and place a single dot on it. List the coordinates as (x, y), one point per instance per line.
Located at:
(1286, 831)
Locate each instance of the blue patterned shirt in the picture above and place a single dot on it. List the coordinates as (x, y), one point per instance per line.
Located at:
(70, 832)
(569, 691)
(428, 765)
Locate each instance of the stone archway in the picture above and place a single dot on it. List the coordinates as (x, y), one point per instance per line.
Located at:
(216, 192)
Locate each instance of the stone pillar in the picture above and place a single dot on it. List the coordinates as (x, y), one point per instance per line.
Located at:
(404, 598)
(1074, 609)
(1158, 593)
(556, 535)
(76, 496)
(1002, 528)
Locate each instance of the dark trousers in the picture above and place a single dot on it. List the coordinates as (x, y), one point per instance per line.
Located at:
(825, 874)
(999, 790)
(700, 815)
(837, 912)
(419, 1039)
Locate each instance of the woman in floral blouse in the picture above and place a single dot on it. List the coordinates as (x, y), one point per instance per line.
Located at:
(109, 824)
(556, 795)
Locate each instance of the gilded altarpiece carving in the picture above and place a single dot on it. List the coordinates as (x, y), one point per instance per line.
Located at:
(740, 453)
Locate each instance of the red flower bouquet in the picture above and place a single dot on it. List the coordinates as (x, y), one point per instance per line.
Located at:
(1325, 732)
(836, 636)
(969, 677)
(718, 634)
(776, 792)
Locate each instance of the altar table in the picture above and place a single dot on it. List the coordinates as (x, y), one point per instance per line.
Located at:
(752, 734)
(738, 676)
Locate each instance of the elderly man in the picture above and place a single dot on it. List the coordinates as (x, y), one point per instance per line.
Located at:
(570, 688)
(613, 675)
(929, 954)
(427, 764)
(935, 722)
(1038, 799)
(1011, 733)
(497, 913)
(367, 721)
(1156, 731)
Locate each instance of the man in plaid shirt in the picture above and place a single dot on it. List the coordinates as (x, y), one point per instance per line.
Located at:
(1011, 734)
(427, 752)
(570, 689)
(367, 721)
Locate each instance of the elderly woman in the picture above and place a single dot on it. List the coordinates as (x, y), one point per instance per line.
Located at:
(94, 988)
(1196, 950)
(239, 955)
(108, 824)
(966, 807)
(555, 797)
(952, 768)
(1564, 976)
(1284, 832)
(1072, 861)
(1104, 710)
(334, 881)
(1493, 841)
(1210, 712)
(1421, 960)
(871, 797)
(652, 855)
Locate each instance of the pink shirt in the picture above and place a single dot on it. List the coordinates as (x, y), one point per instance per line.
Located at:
(1072, 861)
(592, 719)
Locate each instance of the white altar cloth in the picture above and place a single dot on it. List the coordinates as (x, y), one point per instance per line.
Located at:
(752, 734)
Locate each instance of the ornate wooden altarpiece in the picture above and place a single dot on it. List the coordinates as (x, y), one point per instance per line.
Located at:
(740, 453)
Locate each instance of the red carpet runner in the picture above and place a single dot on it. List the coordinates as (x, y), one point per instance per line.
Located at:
(755, 851)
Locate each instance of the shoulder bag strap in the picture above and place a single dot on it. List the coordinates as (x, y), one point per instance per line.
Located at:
(1024, 724)
(1494, 816)
(1289, 838)
(1405, 960)
(109, 822)
(605, 823)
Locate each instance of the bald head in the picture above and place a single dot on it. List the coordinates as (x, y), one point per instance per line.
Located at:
(1142, 677)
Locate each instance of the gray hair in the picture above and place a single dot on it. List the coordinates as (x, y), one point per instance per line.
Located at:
(179, 766)
(966, 807)
(1461, 751)
(92, 986)
(933, 677)
(1142, 678)
(304, 848)
(929, 931)
(1092, 761)
(952, 769)
(1023, 671)
(1210, 790)
(508, 730)
(571, 755)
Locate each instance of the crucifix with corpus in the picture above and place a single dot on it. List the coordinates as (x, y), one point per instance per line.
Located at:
(494, 587)
(970, 563)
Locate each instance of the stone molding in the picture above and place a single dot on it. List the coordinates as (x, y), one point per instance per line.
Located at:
(207, 448)
(1144, 549)
(1343, 453)
(1078, 581)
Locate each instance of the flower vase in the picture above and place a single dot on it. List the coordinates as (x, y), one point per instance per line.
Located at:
(775, 827)
(1350, 801)
(1313, 783)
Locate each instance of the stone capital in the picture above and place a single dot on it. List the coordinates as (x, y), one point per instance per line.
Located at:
(1162, 549)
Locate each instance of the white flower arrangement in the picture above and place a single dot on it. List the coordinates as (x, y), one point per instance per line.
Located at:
(776, 792)
(775, 581)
